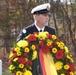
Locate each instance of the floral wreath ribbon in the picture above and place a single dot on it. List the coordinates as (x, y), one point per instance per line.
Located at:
(47, 63)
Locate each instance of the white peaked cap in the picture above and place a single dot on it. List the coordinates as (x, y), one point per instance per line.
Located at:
(40, 9)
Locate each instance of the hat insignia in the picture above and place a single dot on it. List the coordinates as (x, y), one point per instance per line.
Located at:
(48, 8)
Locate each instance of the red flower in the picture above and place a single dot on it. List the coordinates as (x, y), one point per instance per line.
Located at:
(10, 60)
(45, 49)
(58, 70)
(15, 54)
(55, 43)
(49, 35)
(51, 46)
(34, 32)
(32, 38)
(36, 46)
(59, 54)
(57, 38)
(26, 64)
(42, 44)
(71, 67)
(22, 60)
(67, 73)
(25, 54)
(29, 62)
(13, 50)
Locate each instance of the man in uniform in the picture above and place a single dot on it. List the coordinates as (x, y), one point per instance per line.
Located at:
(41, 15)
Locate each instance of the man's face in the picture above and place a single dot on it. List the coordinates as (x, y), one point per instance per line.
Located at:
(42, 19)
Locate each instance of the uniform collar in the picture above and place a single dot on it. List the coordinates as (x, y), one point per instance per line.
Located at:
(39, 28)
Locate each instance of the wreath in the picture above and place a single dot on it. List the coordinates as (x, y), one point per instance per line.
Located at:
(26, 50)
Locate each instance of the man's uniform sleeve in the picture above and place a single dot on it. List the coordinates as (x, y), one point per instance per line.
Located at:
(22, 34)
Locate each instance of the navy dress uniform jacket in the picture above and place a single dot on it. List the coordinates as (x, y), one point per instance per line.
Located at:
(32, 28)
(36, 67)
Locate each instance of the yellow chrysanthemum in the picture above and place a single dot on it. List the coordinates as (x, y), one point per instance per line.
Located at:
(11, 55)
(22, 43)
(53, 37)
(26, 50)
(71, 60)
(66, 67)
(21, 65)
(42, 35)
(34, 55)
(30, 68)
(62, 74)
(62, 43)
(68, 56)
(54, 50)
(58, 65)
(57, 43)
(27, 72)
(17, 49)
(33, 47)
(49, 42)
(26, 59)
(66, 49)
(71, 73)
(19, 53)
(15, 59)
(12, 67)
(19, 73)
(24, 69)
(60, 46)
(46, 32)
(36, 35)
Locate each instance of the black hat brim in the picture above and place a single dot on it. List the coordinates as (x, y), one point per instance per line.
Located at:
(45, 11)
